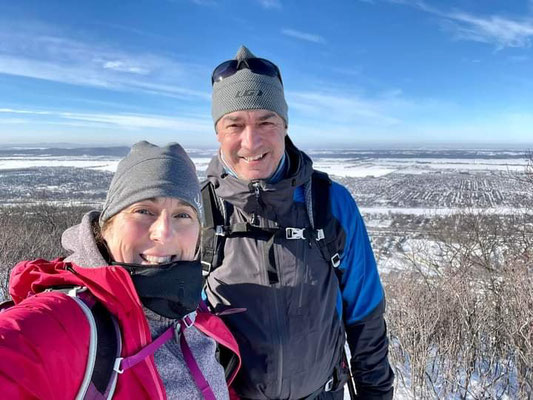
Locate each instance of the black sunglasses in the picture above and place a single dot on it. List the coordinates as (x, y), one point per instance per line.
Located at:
(256, 65)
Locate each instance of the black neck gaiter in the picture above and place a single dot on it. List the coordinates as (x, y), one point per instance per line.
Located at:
(172, 290)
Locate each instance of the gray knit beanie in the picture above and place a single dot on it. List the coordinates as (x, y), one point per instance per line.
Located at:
(150, 171)
(246, 90)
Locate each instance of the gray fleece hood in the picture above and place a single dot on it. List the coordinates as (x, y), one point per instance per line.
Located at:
(79, 240)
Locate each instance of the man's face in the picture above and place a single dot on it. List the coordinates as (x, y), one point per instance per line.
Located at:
(252, 142)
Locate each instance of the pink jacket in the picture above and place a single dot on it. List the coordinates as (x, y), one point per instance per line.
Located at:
(44, 338)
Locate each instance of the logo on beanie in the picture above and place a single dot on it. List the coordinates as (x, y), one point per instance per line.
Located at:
(248, 93)
(198, 204)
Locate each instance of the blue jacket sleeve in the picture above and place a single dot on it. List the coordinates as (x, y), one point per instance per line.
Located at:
(363, 302)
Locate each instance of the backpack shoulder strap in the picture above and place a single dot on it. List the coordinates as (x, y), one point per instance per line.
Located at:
(105, 343)
(320, 186)
(213, 235)
(6, 304)
(321, 219)
(104, 347)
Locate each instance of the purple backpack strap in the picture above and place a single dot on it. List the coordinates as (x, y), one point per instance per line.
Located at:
(122, 364)
(196, 373)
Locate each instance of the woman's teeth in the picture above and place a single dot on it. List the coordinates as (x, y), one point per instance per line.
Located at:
(156, 259)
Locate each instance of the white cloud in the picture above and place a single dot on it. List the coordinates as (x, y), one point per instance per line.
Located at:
(189, 124)
(502, 32)
(345, 108)
(309, 37)
(494, 29)
(124, 67)
(270, 3)
(30, 112)
(43, 55)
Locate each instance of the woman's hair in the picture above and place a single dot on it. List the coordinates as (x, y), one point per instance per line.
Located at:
(98, 234)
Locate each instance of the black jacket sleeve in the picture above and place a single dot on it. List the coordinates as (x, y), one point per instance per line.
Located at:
(368, 344)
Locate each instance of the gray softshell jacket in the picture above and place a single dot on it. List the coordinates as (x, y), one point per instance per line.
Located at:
(290, 335)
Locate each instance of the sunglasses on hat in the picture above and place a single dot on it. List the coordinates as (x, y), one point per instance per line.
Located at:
(256, 65)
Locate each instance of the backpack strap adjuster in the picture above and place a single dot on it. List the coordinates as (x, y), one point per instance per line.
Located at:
(329, 385)
(220, 231)
(188, 320)
(320, 234)
(335, 260)
(295, 233)
(116, 366)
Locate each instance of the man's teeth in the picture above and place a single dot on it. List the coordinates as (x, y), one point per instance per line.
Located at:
(254, 158)
(156, 259)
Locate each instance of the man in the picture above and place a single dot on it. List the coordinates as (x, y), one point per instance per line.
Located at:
(266, 251)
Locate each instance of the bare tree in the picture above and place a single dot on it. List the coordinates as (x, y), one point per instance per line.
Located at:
(461, 320)
(32, 232)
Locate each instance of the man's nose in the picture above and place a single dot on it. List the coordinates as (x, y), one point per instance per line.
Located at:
(162, 229)
(251, 138)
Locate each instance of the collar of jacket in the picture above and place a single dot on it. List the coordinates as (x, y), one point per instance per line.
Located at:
(275, 198)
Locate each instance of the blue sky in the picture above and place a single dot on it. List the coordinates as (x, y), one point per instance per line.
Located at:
(355, 71)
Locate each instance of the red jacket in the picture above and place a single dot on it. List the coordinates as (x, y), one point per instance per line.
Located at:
(44, 338)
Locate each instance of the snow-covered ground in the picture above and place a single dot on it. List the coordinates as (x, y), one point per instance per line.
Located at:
(348, 167)
(440, 211)
(103, 163)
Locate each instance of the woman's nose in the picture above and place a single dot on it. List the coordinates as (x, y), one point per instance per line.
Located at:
(162, 230)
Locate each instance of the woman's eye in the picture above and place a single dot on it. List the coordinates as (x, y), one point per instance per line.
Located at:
(183, 215)
(143, 211)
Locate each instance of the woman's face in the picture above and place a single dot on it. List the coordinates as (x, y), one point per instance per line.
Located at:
(153, 231)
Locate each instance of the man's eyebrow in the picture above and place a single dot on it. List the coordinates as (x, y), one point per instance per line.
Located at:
(232, 118)
(266, 116)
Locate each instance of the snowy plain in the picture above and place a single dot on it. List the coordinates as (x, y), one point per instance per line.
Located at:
(356, 166)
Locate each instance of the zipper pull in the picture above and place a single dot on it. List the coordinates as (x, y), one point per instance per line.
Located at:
(177, 331)
(257, 190)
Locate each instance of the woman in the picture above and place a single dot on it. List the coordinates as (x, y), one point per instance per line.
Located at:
(135, 263)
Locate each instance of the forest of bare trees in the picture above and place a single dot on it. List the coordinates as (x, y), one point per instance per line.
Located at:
(461, 318)
(32, 232)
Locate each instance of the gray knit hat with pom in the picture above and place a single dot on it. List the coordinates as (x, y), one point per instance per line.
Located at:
(150, 171)
(246, 90)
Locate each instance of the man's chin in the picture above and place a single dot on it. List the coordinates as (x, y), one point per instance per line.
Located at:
(253, 175)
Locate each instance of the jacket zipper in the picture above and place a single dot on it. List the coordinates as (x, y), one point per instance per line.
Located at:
(257, 193)
(277, 317)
